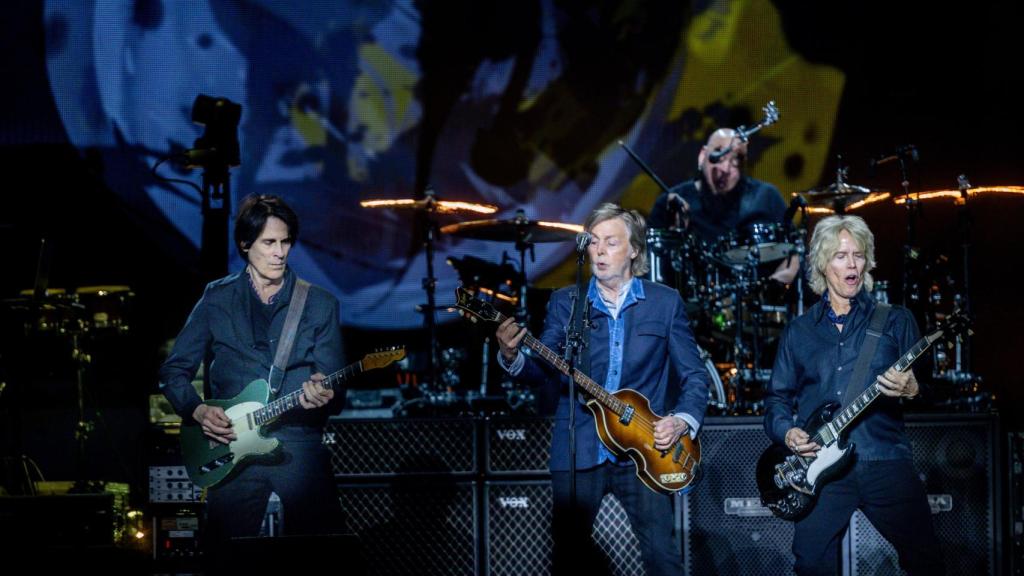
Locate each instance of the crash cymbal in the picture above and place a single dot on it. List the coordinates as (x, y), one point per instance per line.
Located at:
(827, 195)
(840, 197)
(431, 204)
(514, 230)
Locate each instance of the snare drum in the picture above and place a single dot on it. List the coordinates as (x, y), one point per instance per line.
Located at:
(770, 241)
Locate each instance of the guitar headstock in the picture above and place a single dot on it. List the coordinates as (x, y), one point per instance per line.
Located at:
(474, 309)
(383, 358)
(956, 324)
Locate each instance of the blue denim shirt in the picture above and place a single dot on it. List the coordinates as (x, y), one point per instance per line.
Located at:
(814, 364)
(616, 331)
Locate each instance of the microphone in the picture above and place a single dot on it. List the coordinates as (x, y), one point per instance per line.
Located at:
(716, 156)
(583, 240)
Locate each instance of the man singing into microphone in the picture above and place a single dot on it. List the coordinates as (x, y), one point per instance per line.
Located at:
(636, 336)
(722, 199)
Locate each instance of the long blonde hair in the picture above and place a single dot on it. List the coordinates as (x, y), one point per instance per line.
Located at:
(825, 242)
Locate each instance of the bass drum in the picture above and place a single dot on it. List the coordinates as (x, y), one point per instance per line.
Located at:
(716, 390)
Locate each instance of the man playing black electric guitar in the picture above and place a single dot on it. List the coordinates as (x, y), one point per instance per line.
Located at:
(815, 361)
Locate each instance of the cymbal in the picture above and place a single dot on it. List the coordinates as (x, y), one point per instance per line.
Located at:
(828, 195)
(431, 204)
(514, 230)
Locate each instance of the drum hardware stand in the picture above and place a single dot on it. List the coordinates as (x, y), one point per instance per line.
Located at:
(84, 427)
(748, 279)
(960, 373)
(522, 245)
(429, 284)
(911, 287)
(963, 345)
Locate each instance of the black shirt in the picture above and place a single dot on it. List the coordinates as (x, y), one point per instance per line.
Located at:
(711, 217)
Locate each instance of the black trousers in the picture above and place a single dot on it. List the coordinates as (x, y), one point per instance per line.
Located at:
(892, 497)
(650, 515)
(299, 473)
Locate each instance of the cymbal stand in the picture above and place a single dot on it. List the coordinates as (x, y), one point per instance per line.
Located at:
(963, 345)
(523, 244)
(429, 310)
(911, 285)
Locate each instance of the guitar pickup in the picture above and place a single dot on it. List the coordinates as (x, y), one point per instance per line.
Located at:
(627, 415)
(677, 452)
(211, 466)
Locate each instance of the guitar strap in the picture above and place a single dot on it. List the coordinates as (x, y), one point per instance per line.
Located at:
(867, 351)
(287, 341)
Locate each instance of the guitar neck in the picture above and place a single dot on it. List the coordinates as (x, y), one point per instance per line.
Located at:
(486, 312)
(591, 387)
(865, 398)
(273, 410)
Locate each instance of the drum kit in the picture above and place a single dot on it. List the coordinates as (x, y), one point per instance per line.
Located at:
(736, 313)
(56, 322)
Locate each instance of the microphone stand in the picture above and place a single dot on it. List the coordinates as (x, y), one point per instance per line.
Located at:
(573, 348)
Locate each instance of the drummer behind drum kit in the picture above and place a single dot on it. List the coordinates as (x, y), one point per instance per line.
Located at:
(737, 313)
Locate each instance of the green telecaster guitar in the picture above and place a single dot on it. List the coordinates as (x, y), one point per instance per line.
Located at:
(208, 461)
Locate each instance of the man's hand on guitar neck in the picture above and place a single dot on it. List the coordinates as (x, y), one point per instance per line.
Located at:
(510, 335)
(896, 384)
(668, 430)
(314, 395)
(216, 424)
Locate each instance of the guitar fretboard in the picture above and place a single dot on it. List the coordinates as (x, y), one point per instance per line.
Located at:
(865, 398)
(275, 409)
(595, 390)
